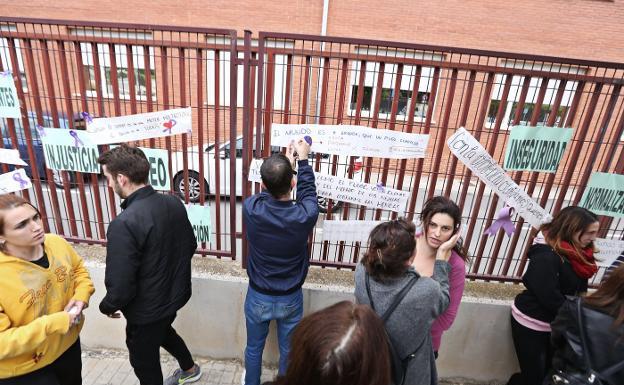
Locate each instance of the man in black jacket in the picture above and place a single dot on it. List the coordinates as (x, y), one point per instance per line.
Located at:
(148, 267)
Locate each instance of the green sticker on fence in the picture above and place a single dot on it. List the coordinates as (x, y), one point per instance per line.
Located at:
(9, 101)
(604, 194)
(200, 219)
(536, 148)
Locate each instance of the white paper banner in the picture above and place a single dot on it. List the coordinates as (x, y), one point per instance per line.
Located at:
(141, 126)
(353, 140)
(468, 150)
(348, 190)
(11, 157)
(348, 231)
(609, 251)
(14, 181)
(9, 101)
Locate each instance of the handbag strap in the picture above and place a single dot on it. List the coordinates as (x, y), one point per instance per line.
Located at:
(584, 352)
(397, 299)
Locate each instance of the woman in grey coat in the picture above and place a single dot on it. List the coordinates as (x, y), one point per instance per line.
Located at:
(388, 262)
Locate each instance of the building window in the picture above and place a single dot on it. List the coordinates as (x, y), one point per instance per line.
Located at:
(388, 92)
(123, 78)
(528, 108)
(5, 56)
(279, 76)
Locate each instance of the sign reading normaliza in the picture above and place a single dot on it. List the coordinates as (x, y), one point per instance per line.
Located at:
(604, 194)
(536, 148)
(200, 219)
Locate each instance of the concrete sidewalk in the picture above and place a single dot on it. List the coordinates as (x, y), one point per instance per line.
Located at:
(111, 367)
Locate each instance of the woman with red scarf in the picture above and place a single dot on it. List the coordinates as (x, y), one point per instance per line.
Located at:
(560, 267)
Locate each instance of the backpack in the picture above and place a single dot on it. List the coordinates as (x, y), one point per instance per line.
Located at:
(398, 364)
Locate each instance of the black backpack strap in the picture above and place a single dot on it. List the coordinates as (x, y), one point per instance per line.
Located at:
(397, 299)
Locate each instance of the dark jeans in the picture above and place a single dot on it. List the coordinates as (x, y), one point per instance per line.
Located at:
(534, 355)
(65, 370)
(144, 342)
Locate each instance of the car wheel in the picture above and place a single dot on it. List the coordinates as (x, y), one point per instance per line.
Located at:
(194, 187)
(323, 204)
(57, 178)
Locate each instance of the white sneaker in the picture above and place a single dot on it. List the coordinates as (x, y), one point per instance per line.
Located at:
(243, 377)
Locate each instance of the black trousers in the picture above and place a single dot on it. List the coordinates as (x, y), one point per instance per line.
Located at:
(534, 355)
(65, 370)
(144, 342)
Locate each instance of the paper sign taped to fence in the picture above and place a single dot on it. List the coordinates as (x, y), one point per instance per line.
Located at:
(365, 194)
(468, 150)
(608, 251)
(201, 221)
(353, 140)
(11, 157)
(604, 194)
(13, 181)
(348, 231)
(141, 126)
(536, 148)
(9, 101)
(70, 150)
(254, 171)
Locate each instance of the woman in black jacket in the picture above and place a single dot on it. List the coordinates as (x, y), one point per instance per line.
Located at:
(558, 268)
(603, 324)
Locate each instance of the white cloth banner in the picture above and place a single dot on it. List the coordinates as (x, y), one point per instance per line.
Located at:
(9, 100)
(348, 190)
(348, 231)
(11, 157)
(140, 126)
(353, 140)
(470, 152)
(13, 181)
(608, 251)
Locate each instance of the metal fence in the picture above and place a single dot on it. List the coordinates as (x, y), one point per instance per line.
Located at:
(237, 87)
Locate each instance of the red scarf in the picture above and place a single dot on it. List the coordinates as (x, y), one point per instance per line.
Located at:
(584, 265)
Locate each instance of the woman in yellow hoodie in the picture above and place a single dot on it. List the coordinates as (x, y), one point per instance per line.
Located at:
(43, 289)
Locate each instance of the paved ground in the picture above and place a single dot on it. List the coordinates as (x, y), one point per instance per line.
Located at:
(111, 367)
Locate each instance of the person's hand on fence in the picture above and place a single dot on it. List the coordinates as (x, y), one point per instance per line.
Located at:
(444, 251)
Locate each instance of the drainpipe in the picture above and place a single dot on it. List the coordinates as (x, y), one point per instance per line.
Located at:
(320, 78)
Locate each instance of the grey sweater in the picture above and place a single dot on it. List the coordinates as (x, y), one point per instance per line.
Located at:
(410, 324)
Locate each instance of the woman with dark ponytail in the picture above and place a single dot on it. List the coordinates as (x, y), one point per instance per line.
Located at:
(384, 275)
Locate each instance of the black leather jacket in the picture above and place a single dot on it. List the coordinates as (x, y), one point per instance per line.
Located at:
(606, 346)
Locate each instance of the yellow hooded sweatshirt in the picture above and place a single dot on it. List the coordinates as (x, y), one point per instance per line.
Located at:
(34, 329)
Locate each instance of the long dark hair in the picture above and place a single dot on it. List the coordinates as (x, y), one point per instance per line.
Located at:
(443, 205)
(344, 344)
(610, 296)
(390, 245)
(565, 225)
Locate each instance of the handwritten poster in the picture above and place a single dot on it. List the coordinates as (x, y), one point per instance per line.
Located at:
(609, 251)
(141, 126)
(11, 157)
(536, 148)
(348, 231)
(353, 140)
(604, 194)
(470, 152)
(70, 150)
(15, 180)
(9, 101)
(200, 219)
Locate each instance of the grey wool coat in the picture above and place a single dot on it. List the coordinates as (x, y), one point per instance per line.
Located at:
(410, 324)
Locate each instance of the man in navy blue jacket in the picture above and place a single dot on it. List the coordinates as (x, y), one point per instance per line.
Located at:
(277, 232)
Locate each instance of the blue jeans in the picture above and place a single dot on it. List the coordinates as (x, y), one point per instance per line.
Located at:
(260, 309)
